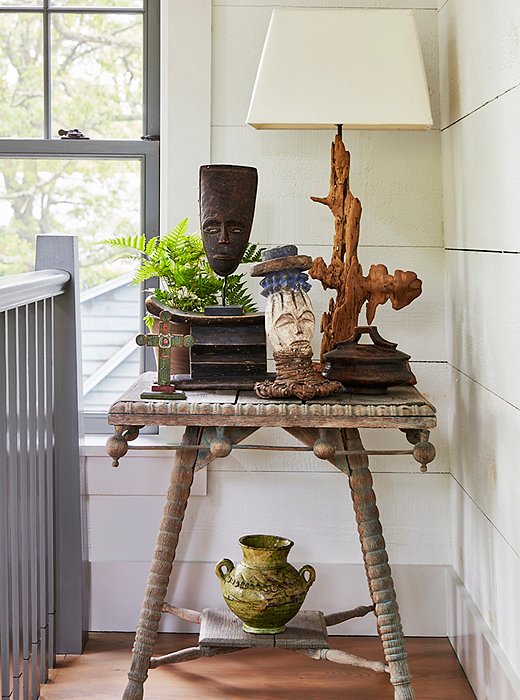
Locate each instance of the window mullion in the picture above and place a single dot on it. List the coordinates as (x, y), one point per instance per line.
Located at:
(47, 103)
(150, 193)
(151, 67)
(115, 148)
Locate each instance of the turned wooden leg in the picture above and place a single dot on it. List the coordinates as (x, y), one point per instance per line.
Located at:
(160, 570)
(377, 568)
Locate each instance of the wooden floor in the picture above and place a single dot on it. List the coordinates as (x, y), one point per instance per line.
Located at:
(261, 674)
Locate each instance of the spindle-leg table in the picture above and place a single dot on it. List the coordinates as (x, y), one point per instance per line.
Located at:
(215, 423)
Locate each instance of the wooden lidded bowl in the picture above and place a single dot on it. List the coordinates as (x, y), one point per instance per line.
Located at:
(368, 368)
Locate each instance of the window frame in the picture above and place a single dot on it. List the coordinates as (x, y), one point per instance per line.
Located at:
(145, 150)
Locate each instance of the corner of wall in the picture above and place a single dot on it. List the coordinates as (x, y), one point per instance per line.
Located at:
(486, 666)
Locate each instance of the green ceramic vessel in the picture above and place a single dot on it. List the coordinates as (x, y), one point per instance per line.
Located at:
(264, 590)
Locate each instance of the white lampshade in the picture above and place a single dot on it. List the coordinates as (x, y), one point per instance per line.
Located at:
(359, 68)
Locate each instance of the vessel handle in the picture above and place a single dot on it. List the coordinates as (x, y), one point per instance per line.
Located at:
(312, 574)
(372, 331)
(224, 564)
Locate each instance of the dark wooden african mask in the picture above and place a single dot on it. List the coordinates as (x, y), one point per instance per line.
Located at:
(227, 195)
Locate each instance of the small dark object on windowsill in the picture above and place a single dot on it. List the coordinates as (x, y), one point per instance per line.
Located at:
(151, 137)
(72, 134)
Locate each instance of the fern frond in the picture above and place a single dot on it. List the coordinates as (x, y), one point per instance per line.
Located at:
(180, 229)
(148, 269)
(237, 294)
(253, 253)
(151, 245)
(183, 248)
(178, 233)
(131, 256)
(128, 242)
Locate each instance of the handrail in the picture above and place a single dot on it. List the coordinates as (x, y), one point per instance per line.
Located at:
(30, 287)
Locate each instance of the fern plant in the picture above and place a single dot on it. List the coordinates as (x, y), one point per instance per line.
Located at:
(179, 262)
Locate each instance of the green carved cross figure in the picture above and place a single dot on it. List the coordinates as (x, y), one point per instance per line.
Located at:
(164, 340)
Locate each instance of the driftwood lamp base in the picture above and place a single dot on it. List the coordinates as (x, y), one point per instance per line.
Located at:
(344, 272)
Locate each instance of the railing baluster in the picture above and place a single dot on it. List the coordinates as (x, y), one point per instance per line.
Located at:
(23, 469)
(49, 475)
(5, 646)
(41, 359)
(33, 492)
(14, 515)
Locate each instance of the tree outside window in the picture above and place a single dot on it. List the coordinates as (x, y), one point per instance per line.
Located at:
(90, 66)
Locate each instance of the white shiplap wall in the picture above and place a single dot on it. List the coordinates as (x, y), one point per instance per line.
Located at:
(480, 97)
(397, 177)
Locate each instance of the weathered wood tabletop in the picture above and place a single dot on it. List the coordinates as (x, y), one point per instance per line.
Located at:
(402, 407)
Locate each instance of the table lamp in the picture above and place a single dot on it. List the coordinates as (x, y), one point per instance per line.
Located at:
(352, 69)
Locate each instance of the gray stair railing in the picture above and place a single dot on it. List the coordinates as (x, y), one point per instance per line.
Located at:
(42, 583)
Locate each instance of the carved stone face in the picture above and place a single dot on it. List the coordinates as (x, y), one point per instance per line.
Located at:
(227, 206)
(290, 320)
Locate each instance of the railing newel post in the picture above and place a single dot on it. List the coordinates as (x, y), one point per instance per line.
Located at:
(60, 252)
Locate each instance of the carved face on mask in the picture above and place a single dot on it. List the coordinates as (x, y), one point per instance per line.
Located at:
(227, 206)
(289, 320)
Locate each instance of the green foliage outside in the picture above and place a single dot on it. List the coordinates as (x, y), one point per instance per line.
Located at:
(90, 198)
(96, 74)
(187, 281)
(96, 86)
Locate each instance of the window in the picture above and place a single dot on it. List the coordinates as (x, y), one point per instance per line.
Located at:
(70, 68)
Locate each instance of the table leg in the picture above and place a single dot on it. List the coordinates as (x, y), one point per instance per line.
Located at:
(377, 568)
(160, 570)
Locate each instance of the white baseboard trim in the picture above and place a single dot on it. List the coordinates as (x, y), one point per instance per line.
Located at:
(486, 666)
(117, 589)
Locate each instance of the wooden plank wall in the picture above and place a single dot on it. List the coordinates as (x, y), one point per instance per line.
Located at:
(397, 177)
(480, 97)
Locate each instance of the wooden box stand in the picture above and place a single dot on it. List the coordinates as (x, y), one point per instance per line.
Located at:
(216, 422)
